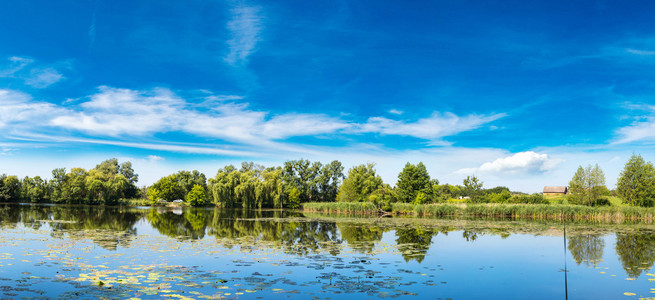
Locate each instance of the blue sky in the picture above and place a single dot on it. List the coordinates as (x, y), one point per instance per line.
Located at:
(518, 93)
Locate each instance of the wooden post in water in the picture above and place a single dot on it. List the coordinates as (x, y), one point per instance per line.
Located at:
(566, 282)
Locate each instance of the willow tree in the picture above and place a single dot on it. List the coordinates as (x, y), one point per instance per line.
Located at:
(271, 191)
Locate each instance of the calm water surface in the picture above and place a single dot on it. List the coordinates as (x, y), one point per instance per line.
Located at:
(94, 252)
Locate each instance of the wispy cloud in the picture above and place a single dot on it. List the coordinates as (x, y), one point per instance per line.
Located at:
(171, 147)
(19, 110)
(43, 77)
(122, 116)
(522, 162)
(153, 158)
(92, 30)
(642, 129)
(640, 52)
(15, 64)
(395, 112)
(37, 76)
(433, 128)
(245, 29)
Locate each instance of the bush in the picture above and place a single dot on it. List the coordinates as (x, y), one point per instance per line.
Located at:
(528, 199)
(601, 202)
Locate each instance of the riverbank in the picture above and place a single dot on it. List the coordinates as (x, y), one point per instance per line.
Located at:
(528, 211)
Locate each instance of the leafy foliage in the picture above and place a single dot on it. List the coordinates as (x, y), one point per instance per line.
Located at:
(636, 184)
(197, 196)
(587, 185)
(361, 182)
(412, 181)
(472, 186)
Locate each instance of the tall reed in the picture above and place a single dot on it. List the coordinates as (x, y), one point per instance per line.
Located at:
(528, 211)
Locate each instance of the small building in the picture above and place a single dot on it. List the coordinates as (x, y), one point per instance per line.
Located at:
(555, 190)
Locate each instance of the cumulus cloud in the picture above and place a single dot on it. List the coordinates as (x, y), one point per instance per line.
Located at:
(245, 27)
(522, 162)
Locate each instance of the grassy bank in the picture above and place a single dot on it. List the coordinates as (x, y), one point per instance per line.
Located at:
(528, 211)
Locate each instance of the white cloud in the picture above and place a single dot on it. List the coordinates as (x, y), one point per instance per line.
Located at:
(433, 128)
(17, 109)
(642, 129)
(289, 125)
(16, 64)
(43, 77)
(124, 112)
(396, 112)
(38, 77)
(640, 52)
(522, 162)
(116, 112)
(245, 27)
(153, 158)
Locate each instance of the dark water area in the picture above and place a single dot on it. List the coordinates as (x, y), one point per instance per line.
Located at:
(62, 252)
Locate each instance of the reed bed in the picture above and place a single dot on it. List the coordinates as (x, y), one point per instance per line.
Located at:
(522, 211)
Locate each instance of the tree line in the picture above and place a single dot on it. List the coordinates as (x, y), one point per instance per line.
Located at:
(635, 186)
(107, 183)
(299, 181)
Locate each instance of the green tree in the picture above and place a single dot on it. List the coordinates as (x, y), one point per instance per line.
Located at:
(9, 188)
(472, 186)
(383, 196)
(223, 186)
(34, 190)
(187, 180)
(412, 180)
(299, 175)
(270, 193)
(587, 185)
(448, 191)
(361, 182)
(294, 198)
(197, 196)
(314, 181)
(636, 184)
(166, 188)
(328, 181)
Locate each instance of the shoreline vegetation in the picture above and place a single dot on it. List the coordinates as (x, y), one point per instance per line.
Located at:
(563, 212)
(314, 186)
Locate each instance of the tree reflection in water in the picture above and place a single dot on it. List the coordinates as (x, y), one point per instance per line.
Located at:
(113, 227)
(636, 251)
(586, 248)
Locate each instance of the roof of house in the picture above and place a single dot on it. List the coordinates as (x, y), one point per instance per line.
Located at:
(555, 189)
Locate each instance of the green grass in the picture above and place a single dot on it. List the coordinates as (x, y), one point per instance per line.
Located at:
(615, 213)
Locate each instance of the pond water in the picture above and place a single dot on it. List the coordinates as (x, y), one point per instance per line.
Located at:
(103, 252)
